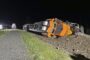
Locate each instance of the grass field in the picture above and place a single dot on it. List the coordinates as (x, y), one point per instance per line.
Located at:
(1, 33)
(39, 50)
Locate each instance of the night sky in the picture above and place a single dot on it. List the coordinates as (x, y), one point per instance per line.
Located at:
(23, 11)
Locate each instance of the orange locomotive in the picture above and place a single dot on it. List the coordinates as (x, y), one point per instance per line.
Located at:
(56, 27)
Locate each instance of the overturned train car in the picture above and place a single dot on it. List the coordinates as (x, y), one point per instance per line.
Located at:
(54, 27)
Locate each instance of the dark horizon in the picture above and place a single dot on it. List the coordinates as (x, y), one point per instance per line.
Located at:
(22, 12)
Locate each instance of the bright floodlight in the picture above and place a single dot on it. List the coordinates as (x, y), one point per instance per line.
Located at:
(1, 26)
(13, 26)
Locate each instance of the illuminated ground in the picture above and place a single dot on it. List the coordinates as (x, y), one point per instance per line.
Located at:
(72, 44)
(12, 47)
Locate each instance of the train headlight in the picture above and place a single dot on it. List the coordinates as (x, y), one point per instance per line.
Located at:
(44, 28)
(45, 23)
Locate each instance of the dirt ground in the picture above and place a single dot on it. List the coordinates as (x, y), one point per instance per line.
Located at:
(12, 47)
(74, 45)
